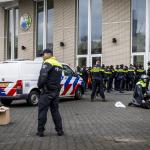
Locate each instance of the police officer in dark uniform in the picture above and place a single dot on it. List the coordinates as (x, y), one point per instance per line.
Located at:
(140, 94)
(108, 78)
(97, 81)
(49, 84)
(139, 71)
(148, 70)
(131, 78)
(121, 78)
(125, 85)
(112, 77)
(115, 74)
(84, 76)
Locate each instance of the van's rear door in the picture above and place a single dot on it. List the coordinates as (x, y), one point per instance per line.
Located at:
(9, 76)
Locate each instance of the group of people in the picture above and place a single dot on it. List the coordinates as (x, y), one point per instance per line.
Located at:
(119, 78)
(100, 78)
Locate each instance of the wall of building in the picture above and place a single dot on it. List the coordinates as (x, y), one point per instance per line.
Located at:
(2, 35)
(26, 38)
(64, 30)
(116, 24)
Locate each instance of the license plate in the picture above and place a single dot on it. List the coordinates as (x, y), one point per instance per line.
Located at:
(4, 84)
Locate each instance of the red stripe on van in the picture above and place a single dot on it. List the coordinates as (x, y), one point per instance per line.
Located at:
(13, 90)
(74, 90)
(66, 89)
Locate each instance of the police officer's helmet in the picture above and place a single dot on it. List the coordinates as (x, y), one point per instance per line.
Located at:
(144, 77)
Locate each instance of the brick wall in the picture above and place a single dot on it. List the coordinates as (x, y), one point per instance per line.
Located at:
(64, 30)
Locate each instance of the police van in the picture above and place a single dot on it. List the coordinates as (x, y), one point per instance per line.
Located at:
(18, 80)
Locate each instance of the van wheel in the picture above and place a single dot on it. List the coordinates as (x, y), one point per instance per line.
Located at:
(33, 98)
(78, 94)
(6, 102)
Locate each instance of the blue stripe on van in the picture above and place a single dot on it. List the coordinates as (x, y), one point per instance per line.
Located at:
(75, 82)
(2, 93)
(67, 81)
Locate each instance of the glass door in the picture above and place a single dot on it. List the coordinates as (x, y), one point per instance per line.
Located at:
(139, 59)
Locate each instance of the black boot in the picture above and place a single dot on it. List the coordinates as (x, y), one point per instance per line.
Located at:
(40, 134)
(60, 133)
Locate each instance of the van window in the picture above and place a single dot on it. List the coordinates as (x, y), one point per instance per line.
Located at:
(67, 71)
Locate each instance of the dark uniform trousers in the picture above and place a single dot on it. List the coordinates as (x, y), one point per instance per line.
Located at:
(49, 101)
(97, 84)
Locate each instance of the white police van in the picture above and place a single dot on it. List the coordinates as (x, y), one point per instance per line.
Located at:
(18, 80)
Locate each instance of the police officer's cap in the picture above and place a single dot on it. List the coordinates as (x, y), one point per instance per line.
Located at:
(49, 51)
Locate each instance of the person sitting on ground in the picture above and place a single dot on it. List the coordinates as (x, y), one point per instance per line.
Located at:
(141, 94)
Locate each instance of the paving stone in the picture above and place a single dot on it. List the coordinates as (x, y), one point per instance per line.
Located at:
(88, 126)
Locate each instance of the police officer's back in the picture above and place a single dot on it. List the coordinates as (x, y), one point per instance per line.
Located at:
(139, 72)
(97, 81)
(49, 84)
(131, 77)
(121, 77)
(108, 78)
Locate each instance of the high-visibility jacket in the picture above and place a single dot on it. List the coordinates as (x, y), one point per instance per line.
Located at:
(50, 74)
(97, 73)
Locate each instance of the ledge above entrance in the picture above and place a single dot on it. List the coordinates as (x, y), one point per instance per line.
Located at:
(8, 3)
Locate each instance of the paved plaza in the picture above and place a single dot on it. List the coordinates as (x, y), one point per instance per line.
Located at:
(87, 125)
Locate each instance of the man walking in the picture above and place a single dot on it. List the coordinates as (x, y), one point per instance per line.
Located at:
(49, 84)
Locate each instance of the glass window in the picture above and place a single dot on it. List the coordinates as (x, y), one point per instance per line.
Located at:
(10, 33)
(89, 24)
(83, 27)
(40, 15)
(67, 71)
(50, 7)
(96, 28)
(16, 32)
(94, 59)
(138, 25)
(12, 42)
(82, 61)
(138, 60)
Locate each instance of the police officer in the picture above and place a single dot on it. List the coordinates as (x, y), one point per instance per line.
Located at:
(140, 93)
(121, 78)
(131, 78)
(148, 70)
(126, 83)
(97, 80)
(108, 78)
(115, 74)
(84, 75)
(49, 84)
(139, 71)
(112, 76)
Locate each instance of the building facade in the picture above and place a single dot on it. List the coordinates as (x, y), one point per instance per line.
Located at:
(78, 31)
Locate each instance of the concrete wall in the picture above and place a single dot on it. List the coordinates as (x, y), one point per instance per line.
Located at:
(64, 30)
(116, 24)
(26, 38)
(2, 35)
